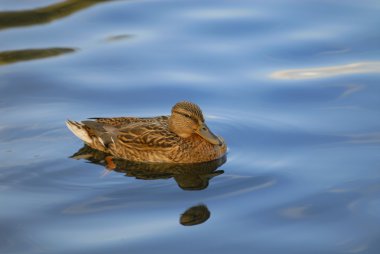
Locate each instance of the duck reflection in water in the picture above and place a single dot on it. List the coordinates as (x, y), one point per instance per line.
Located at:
(195, 215)
(192, 176)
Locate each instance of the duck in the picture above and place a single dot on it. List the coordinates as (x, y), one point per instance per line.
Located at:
(181, 137)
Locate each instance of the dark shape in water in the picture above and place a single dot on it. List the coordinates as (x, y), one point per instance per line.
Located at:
(43, 15)
(195, 215)
(118, 37)
(9, 57)
(192, 176)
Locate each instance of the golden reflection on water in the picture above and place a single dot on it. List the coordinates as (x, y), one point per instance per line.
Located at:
(9, 19)
(330, 71)
(38, 16)
(14, 56)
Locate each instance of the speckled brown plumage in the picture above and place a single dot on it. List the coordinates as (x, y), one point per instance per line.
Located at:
(151, 139)
(120, 121)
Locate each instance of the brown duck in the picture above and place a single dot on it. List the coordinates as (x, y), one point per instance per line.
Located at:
(182, 137)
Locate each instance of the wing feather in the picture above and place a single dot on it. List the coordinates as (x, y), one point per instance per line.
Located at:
(121, 121)
(147, 134)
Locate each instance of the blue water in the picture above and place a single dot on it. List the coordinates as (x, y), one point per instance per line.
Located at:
(292, 86)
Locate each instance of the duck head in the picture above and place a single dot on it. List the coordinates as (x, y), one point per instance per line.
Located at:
(187, 119)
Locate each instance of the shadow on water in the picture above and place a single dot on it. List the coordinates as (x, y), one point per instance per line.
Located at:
(10, 19)
(14, 56)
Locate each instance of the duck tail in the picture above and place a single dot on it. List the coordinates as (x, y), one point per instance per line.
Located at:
(80, 131)
(96, 135)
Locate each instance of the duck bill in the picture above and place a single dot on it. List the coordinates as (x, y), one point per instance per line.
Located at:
(205, 133)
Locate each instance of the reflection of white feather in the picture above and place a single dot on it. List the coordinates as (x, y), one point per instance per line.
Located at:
(79, 131)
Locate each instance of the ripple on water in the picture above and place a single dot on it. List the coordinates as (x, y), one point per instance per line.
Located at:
(291, 86)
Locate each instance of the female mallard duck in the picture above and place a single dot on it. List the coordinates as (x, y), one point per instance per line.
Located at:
(182, 137)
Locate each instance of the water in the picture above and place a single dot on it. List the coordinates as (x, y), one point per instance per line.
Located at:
(292, 86)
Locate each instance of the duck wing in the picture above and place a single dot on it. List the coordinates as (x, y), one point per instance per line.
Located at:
(146, 135)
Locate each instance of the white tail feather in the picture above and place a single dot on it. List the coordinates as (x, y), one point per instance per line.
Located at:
(78, 131)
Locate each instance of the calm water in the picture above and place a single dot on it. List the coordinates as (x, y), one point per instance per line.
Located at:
(292, 86)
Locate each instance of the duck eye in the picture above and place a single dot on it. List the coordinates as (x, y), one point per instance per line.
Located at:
(188, 116)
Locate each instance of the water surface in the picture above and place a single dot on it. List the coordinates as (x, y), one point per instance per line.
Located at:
(292, 86)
